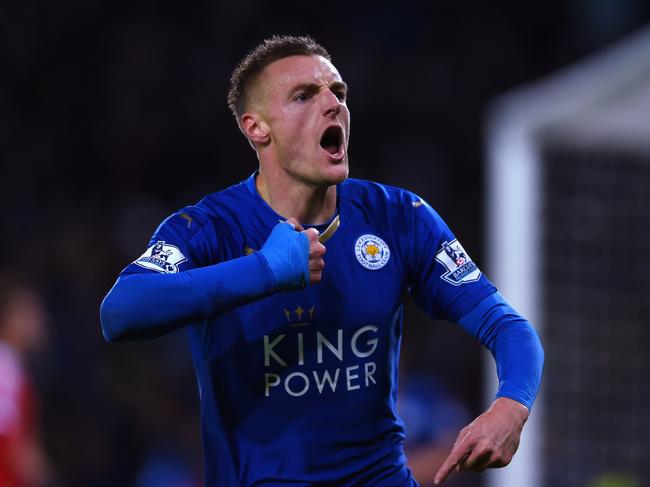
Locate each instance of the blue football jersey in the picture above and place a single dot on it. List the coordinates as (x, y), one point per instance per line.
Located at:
(299, 388)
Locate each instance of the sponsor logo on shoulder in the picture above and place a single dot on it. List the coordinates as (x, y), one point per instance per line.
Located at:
(460, 268)
(161, 257)
(372, 252)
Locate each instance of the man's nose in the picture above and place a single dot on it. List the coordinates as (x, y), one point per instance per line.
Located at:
(331, 104)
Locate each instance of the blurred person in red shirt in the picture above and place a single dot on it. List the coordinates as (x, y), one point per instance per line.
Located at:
(23, 460)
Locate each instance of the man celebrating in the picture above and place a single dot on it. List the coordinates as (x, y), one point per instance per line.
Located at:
(297, 361)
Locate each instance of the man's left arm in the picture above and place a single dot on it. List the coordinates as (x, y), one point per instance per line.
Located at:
(446, 283)
(492, 439)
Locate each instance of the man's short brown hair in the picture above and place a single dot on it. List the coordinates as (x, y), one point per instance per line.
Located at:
(270, 50)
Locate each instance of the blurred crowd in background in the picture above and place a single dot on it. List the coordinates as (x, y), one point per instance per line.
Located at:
(113, 115)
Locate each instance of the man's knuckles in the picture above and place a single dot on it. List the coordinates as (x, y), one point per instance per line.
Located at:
(502, 460)
(316, 264)
(491, 459)
(316, 249)
(478, 454)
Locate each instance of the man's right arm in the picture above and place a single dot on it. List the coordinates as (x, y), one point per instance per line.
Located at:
(141, 306)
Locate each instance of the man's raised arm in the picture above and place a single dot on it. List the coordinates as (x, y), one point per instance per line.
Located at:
(141, 306)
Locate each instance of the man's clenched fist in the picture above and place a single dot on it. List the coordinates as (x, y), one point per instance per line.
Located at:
(316, 263)
(294, 256)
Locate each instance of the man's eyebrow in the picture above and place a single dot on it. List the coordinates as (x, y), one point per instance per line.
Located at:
(312, 87)
(339, 85)
(306, 86)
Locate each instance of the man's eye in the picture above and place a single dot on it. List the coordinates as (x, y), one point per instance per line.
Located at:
(341, 95)
(304, 96)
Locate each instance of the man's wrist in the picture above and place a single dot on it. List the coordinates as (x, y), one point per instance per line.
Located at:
(513, 407)
(286, 254)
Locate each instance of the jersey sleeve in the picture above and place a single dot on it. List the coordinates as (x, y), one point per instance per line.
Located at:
(178, 244)
(444, 281)
(447, 283)
(180, 280)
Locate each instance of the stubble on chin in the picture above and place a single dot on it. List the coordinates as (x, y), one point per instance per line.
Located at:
(335, 174)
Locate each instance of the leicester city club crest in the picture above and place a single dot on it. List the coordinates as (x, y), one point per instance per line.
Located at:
(460, 268)
(371, 251)
(161, 257)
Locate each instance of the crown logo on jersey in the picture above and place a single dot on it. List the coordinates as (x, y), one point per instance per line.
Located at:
(299, 316)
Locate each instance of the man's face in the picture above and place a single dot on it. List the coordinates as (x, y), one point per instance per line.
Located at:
(302, 99)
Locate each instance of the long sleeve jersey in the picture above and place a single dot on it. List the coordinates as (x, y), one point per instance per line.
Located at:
(299, 388)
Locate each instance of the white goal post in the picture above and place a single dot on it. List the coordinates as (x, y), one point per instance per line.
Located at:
(601, 101)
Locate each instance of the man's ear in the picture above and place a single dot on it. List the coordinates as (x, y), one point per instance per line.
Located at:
(256, 130)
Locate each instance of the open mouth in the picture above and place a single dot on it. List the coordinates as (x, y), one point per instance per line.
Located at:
(332, 139)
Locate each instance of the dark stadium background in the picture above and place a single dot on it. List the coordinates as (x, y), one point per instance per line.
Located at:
(113, 115)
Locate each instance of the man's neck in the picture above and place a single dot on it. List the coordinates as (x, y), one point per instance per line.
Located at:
(310, 205)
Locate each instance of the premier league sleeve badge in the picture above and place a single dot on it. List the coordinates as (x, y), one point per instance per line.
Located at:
(161, 257)
(460, 268)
